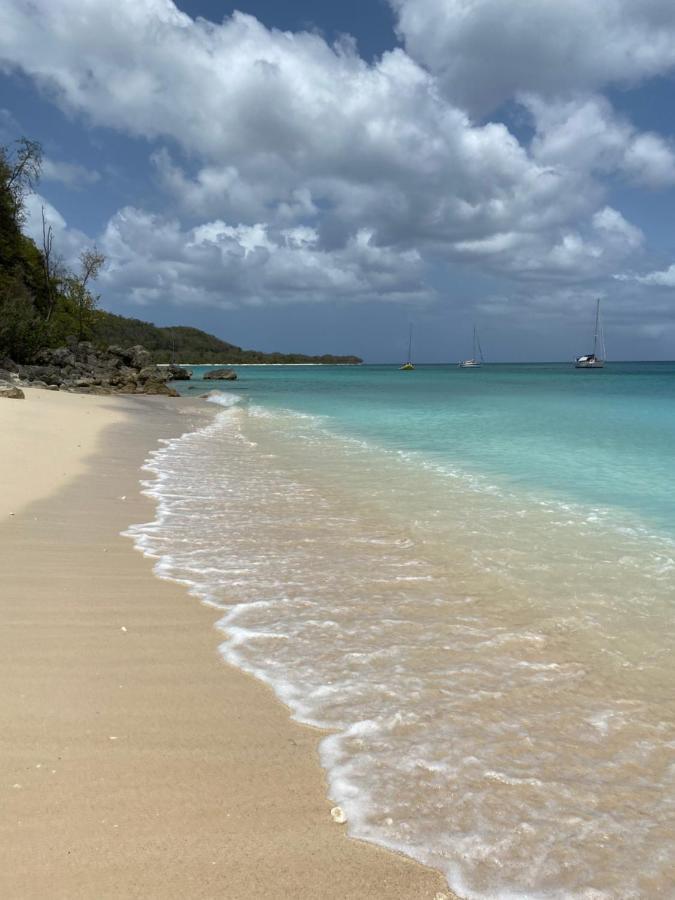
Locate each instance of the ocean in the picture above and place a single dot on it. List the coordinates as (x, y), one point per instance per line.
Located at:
(468, 578)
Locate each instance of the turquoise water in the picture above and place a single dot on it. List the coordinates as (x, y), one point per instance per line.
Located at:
(468, 577)
(598, 438)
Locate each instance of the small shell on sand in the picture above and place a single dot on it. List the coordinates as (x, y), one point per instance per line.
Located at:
(441, 896)
(337, 815)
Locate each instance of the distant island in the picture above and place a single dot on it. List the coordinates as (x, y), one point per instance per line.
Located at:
(181, 344)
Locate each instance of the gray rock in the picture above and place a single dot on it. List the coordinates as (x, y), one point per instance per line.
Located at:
(159, 387)
(220, 375)
(12, 393)
(178, 373)
(139, 357)
(153, 373)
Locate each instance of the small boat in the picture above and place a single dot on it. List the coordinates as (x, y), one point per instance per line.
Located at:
(476, 360)
(409, 365)
(594, 360)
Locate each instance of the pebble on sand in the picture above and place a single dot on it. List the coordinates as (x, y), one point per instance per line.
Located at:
(337, 815)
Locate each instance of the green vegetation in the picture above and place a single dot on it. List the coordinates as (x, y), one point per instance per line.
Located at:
(42, 303)
(190, 345)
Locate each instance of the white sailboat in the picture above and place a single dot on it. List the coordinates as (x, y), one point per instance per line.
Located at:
(596, 359)
(409, 365)
(477, 359)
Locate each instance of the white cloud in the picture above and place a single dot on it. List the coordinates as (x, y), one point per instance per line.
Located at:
(584, 134)
(68, 242)
(299, 171)
(664, 278)
(487, 51)
(153, 259)
(70, 174)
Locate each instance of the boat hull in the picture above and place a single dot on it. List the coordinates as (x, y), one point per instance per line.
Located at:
(469, 364)
(589, 364)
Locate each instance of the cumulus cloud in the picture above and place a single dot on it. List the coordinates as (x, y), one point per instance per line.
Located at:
(487, 51)
(152, 258)
(68, 242)
(298, 170)
(585, 134)
(663, 278)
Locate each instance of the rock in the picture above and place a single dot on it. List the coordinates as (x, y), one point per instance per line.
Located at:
(124, 356)
(139, 357)
(178, 373)
(57, 356)
(159, 387)
(153, 373)
(220, 375)
(12, 393)
(81, 368)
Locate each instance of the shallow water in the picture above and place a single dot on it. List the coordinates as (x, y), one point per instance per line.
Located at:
(485, 622)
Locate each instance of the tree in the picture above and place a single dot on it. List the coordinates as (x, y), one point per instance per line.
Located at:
(77, 291)
(51, 265)
(21, 170)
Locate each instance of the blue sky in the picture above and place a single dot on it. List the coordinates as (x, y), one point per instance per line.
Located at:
(314, 176)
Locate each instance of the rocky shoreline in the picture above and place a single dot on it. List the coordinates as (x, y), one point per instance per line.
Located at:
(81, 368)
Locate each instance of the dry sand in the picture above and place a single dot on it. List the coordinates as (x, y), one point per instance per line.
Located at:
(133, 761)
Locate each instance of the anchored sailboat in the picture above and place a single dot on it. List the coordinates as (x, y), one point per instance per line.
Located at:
(409, 365)
(594, 360)
(477, 359)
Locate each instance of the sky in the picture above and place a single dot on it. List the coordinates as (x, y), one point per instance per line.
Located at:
(315, 177)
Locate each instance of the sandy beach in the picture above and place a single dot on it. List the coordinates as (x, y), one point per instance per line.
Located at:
(134, 762)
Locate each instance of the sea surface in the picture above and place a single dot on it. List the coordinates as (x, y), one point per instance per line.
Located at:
(468, 577)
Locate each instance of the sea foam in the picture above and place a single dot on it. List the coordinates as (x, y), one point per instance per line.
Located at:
(495, 676)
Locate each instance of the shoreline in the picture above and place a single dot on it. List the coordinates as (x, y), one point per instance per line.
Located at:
(135, 761)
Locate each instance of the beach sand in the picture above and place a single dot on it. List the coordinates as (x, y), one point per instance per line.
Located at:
(133, 761)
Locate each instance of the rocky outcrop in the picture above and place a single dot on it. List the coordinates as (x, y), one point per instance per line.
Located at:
(82, 368)
(11, 393)
(178, 373)
(220, 375)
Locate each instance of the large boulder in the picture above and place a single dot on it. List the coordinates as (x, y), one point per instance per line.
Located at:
(153, 373)
(11, 393)
(178, 373)
(158, 387)
(220, 375)
(47, 374)
(57, 356)
(139, 357)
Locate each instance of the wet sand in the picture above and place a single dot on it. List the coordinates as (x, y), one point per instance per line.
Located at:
(133, 761)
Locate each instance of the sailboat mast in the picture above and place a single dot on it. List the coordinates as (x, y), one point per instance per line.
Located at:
(410, 345)
(597, 320)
